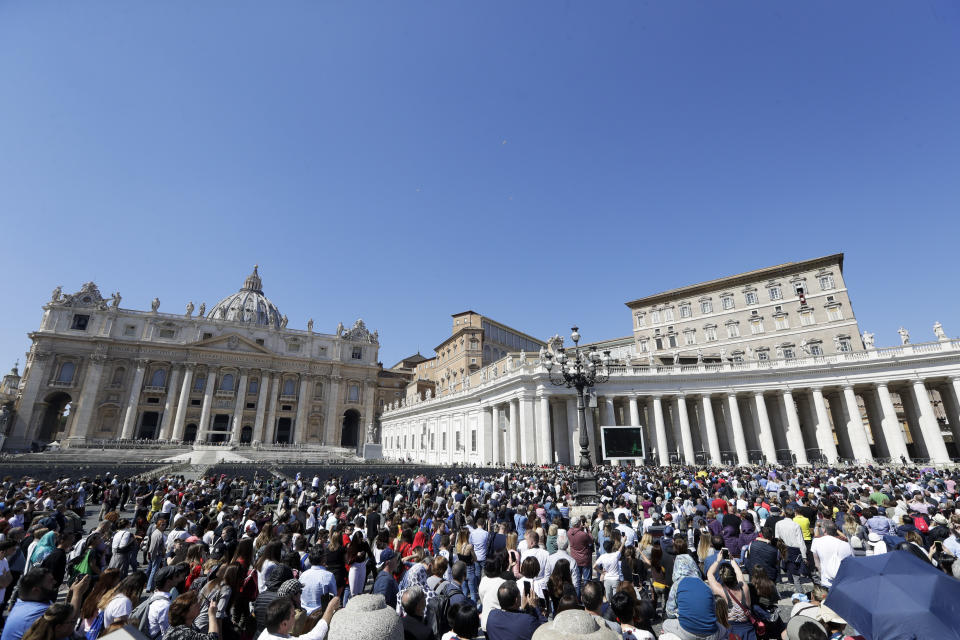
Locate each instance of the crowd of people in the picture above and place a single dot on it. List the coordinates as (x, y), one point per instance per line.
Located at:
(455, 554)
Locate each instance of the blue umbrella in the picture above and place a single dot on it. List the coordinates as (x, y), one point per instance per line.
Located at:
(896, 596)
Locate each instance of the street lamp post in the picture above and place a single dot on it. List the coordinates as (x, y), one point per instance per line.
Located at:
(580, 371)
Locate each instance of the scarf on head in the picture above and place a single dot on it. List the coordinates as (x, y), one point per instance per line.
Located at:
(46, 545)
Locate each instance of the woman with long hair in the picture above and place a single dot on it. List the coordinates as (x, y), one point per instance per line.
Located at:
(183, 611)
(765, 598)
(492, 579)
(337, 558)
(726, 581)
(119, 601)
(196, 555)
(560, 583)
(56, 623)
(356, 558)
(464, 553)
(89, 610)
(268, 562)
(220, 589)
(513, 556)
(264, 537)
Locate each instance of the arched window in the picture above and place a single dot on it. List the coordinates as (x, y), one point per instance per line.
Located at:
(118, 375)
(67, 369)
(158, 378)
(288, 388)
(226, 383)
(254, 385)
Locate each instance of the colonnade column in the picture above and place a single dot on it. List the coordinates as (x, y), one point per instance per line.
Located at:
(528, 440)
(303, 405)
(855, 430)
(512, 450)
(936, 447)
(544, 446)
(133, 400)
(892, 433)
(661, 429)
(495, 430)
(207, 404)
(183, 402)
(486, 430)
(686, 438)
(171, 400)
(238, 407)
(794, 435)
(634, 405)
(765, 434)
(736, 427)
(261, 405)
(573, 429)
(88, 398)
(824, 433)
(713, 442)
(951, 397)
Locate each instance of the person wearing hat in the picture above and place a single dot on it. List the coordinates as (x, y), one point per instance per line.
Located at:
(804, 628)
(365, 617)
(385, 584)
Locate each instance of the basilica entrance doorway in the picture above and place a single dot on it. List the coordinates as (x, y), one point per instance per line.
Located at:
(148, 425)
(55, 416)
(284, 431)
(190, 433)
(246, 434)
(351, 427)
(220, 429)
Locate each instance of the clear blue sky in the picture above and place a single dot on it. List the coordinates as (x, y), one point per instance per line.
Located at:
(539, 162)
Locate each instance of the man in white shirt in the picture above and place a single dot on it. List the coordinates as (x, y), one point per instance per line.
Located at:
(158, 617)
(629, 535)
(828, 552)
(563, 543)
(533, 540)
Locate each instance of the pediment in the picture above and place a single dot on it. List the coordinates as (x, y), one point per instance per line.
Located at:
(232, 342)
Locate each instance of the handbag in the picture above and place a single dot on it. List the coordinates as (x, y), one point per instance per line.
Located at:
(759, 625)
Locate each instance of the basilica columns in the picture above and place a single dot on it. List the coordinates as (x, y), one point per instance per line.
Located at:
(736, 429)
(238, 407)
(330, 422)
(663, 453)
(207, 403)
(573, 429)
(133, 401)
(88, 398)
(855, 430)
(890, 425)
(936, 448)
(825, 441)
(713, 442)
(170, 403)
(303, 406)
(764, 432)
(264, 390)
(794, 435)
(183, 403)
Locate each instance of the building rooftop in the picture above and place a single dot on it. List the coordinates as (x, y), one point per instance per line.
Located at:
(740, 278)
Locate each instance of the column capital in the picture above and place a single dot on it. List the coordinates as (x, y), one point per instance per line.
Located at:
(98, 358)
(881, 383)
(190, 365)
(758, 394)
(142, 362)
(847, 386)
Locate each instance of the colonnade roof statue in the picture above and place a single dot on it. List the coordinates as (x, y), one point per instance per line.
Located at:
(249, 305)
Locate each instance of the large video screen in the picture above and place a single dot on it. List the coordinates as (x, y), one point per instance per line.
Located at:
(622, 442)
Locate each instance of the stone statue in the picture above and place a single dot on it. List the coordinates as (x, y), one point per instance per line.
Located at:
(699, 356)
(523, 358)
(723, 354)
(867, 340)
(5, 416)
(155, 305)
(904, 335)
(938, 331)
(190, 308)
(55, 296)
(751, 354)
(203, 309)
(805, 347)
(310, 325)
(651, 360)
(375, 338)
(371, 435)
(676, 357)
(429, 393)
(466, 382)
(483, 375)
(339, 328)
(115, 300)
(283, 322)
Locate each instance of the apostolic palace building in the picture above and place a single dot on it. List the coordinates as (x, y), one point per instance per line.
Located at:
(765, 365)
(233, 373)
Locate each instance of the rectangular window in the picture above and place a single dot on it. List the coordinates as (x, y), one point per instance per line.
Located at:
(473, 440)
(199, 383)
(166, 333)
(644, 346)
(130, 330)
(207, 336)
(357, 353)
(816, 350)
(826, 283)
(835, 313)
(806, 318)
(251, 405)
(80, 322)
(659, 343)
(798, 288)
(685, 311)
(752, 298)
(293, 347)
(654, 316)
(756, 326)
(690, 337)
(763, 355)
(668, 314)
(260, 341)
(782, 322)
(196, 402)
(706, 306)
(443, 441)
(640, 321)
(459, 444)
(672, 339)
(733, 331)
(844, 346)
(789, 353)
(738, 358)
(727, 302)
(710, 333)
(776, 293)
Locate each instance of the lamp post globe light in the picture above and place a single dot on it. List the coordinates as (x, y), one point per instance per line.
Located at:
(580, 370)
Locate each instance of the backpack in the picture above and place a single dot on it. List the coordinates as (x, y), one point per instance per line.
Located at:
(921, 524)
(444, 591)
(141, 614)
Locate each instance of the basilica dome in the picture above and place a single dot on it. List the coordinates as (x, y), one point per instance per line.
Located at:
(248, 305)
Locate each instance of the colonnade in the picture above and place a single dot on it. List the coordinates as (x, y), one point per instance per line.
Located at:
(833, 421)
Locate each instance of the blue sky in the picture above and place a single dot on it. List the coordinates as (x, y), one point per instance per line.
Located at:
(539, 162)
